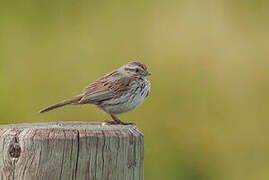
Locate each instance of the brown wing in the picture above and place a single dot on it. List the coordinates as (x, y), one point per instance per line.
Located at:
(103, 89)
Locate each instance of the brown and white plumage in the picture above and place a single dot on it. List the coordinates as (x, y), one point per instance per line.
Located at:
(117, 92)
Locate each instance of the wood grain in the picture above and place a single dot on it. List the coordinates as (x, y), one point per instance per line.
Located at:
(71, 150)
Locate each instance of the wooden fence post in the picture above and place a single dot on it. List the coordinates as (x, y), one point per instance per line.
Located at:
(71, 150)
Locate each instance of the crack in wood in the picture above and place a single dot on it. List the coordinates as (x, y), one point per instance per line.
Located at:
(103, 152)
(77, 160)
(64, 148)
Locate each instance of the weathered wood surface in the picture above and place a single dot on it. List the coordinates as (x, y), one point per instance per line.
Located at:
(71, 150)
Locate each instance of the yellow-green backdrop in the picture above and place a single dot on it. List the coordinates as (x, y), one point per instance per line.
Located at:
(207, 116)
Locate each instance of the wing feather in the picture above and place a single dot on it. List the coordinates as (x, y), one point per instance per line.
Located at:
(103, 89)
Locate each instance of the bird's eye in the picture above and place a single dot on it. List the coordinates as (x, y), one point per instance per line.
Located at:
(136, 70)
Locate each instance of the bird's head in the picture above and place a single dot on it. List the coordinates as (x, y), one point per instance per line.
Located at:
(136, 69)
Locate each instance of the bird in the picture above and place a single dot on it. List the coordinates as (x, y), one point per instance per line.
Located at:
(117, 92)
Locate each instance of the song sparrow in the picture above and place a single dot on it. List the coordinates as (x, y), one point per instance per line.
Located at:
(117, 92)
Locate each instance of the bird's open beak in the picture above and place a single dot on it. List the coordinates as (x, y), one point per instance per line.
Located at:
(148, 73)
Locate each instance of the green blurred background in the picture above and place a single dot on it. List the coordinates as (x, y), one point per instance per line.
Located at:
(206, 117)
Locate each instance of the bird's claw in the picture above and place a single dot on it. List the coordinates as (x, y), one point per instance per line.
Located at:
(119, 123)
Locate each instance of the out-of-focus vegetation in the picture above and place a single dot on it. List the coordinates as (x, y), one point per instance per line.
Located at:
(207, 115)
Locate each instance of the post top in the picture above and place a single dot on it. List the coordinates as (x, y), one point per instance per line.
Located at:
(68, 125)
(68, 128)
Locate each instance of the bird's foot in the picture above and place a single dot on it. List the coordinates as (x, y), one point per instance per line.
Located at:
(119, 123)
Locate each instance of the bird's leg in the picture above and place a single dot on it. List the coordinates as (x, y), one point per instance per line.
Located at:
(118, 121)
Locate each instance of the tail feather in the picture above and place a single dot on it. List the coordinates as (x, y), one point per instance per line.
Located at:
(74, 99)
